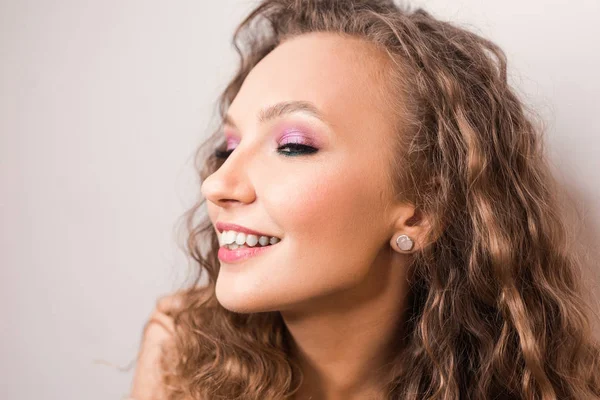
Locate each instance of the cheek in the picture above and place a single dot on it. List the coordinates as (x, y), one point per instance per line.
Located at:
(335, 212)
(343, 196)
(211, 211)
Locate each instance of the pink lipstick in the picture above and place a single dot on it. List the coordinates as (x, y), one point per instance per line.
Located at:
(241, 254)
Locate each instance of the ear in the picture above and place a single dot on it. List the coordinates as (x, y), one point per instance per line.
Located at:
(412, 222)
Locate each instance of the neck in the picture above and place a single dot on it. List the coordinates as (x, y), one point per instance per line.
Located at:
(343, 341)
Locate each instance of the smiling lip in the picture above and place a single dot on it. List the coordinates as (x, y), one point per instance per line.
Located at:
(240, 254)
(223, 226)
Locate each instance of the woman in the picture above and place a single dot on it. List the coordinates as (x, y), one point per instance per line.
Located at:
(400, 229)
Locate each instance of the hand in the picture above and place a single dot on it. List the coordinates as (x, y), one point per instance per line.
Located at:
(159, 330)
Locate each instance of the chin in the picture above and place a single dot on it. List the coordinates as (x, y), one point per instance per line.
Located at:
(239, 301)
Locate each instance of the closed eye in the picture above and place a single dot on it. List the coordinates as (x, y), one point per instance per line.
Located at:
(293, 149)
(297, 149)
(222, 154)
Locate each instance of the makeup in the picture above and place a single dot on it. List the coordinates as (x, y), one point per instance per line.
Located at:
(297, 131)
(241, 254)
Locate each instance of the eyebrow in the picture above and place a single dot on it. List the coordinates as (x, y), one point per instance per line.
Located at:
(280, 109)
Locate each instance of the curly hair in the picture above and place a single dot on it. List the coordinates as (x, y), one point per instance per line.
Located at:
(496, 306)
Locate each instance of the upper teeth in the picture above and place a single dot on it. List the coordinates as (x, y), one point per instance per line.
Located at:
(239, 238)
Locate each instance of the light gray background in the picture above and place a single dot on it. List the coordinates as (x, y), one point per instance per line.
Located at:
(101, 106)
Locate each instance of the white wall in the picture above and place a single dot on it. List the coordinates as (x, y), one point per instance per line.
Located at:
(101, 106)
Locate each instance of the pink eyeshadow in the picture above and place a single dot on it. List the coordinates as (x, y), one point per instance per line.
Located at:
(286, 131)
(295, 132)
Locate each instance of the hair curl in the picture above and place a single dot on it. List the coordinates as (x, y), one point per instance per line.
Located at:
(496, 306)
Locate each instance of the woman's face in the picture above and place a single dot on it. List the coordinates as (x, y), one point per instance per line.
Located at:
(329, 206)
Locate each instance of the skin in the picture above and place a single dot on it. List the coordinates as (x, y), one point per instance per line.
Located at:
(146, 383)
(337, 277)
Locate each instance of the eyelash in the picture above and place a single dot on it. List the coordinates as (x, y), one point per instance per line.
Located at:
(301, 149)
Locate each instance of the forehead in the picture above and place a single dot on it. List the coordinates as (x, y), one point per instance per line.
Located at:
(343, 76)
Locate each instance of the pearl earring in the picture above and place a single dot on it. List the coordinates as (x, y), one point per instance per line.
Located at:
(404, 242)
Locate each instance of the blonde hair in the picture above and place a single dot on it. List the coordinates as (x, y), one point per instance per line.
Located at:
(496, 308)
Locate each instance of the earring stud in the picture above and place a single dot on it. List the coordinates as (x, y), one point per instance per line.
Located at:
(404, 242)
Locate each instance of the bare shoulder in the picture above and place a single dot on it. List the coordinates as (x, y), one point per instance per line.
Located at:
(157, 353)
(157, 333)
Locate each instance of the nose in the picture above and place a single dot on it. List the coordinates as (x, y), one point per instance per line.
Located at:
(230, 184)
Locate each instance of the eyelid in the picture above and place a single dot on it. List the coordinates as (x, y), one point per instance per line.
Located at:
(290, 134)
(296, 137)
(230, 140)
